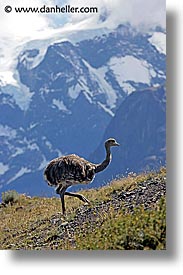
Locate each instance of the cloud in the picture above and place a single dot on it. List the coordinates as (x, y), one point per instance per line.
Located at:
(19, 28)
(138, 12)
(146, 13)
(16, 29)
(23, 25)
(30, 25)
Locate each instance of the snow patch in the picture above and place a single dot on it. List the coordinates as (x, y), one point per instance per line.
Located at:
(158, 39)
(98, 75)
(6, 131)
(33, 125)
(81, 86)
(74, 91)
(59, 153)
(43, 164)
(32, 146)
(107, 110)
(19, 151)
(152, 72)
(21, 95)
(3, 168)
(88, 97)
(111, 95)
(7, 77)
(48, 144)
(60, 105)
(128, 89)
(130, 68)
(21, 172)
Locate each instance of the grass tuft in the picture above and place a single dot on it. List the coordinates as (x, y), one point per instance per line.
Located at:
(10, 196)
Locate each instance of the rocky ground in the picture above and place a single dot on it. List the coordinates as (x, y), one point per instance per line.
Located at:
(147, 194)
(50, 230)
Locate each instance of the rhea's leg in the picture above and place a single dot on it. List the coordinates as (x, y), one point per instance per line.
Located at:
(79, 196)
(57, 190)
(62, 193)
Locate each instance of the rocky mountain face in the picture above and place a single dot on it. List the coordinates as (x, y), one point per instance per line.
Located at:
(77, 95)
(139, 127)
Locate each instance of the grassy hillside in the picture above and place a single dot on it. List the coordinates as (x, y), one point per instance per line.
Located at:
(129, 213)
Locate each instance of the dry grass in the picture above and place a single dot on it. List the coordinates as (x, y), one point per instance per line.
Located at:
(29, 219)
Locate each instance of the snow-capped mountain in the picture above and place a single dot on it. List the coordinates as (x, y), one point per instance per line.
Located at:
(61, 100)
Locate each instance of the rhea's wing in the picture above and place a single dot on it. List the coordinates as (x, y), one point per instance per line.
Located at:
(70, 168)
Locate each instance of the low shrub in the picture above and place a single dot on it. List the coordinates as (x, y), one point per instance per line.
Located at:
(10, 196)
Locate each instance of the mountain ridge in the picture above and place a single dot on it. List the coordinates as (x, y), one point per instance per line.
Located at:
(65, 103)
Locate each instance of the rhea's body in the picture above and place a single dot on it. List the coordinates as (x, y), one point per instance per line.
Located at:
(69, 170)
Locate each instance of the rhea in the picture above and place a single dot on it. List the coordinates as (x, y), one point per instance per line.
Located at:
(69, 170)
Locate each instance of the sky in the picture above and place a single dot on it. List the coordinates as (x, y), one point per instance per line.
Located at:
(17, 29)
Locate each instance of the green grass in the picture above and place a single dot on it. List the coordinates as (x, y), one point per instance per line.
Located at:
(141, 230)
(34, 223)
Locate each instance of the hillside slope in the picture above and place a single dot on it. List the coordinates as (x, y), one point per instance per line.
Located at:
(129, 213)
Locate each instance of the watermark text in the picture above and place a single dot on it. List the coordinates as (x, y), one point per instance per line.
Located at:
(51, 9)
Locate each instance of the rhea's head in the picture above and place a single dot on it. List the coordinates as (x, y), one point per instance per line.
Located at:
(111, 142)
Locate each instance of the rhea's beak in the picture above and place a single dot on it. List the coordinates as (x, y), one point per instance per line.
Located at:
(117, 144)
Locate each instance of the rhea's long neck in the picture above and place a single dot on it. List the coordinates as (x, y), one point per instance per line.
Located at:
(100, 167)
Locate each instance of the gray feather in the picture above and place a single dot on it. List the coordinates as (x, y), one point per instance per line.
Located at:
(69, 168)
